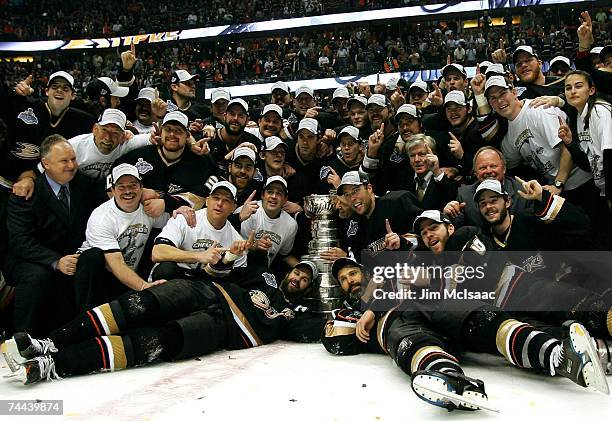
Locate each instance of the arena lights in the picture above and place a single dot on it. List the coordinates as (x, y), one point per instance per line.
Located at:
(276, 25)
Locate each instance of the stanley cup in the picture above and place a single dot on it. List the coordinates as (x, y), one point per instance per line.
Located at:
(328, 295)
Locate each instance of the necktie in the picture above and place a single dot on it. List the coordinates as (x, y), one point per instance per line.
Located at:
(63, 196)
(420, 189)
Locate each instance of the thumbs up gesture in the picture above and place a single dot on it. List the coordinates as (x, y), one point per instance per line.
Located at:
(392, 240)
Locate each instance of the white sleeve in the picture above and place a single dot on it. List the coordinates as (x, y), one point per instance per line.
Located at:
(161, 220)
(511, 154)
(603, 128)
(138, 141)
(547, 122)
(288, 240)
(101, 234)
(174, 230)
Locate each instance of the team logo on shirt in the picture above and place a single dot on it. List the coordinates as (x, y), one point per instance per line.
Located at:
(143, 166)
(324, 172)
(522, 138)
(171, 106)
(533, 263)
(274, 237)
(202, 243)
(352, 228)
(257, 176)
(270, 279)
(584, 137)
(25, 150)
(173, 188)
(520, 90)
(396, 157)
(28, 116)
(261, 301)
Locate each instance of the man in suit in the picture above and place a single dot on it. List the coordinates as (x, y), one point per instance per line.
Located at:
(489, 163)
(431, 186)
(44, 234)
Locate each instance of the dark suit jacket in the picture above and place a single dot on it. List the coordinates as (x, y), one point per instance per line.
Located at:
(438, 193)
(471, 214)
(41, 230)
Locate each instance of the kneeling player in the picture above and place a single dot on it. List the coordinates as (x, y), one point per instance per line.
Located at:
(417, 335)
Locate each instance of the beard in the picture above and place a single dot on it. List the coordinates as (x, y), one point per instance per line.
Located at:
(502, 217)
(291, 296)
(232, 132)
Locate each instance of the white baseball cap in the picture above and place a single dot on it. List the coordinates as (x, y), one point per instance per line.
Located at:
(182, 76)
(178, 117)
(147, 93)
(485, 63)
(340, 93)
(273, 142)
(454, 66)
(352, 178)
(497, 81)
(225, 185)
(357, 98)
(113, 116)
(310, 265)
(239, 101)
(272, 108)
(419, 84)
(304, 90)
(409, 109)
(596, 50)
(458, 97)
(283, 86)
(377, 99)
(309, 124)
(114, 89)
(561, 59)
(64, 75)
(244, 151)
(489, 184)
(218, 94)
(495, 68)
(434, 215)
(276, 179)
(525, 49)
(391, 84)
(124, 169)
(352, 131)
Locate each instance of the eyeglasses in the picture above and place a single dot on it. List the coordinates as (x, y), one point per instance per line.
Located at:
(352, 193)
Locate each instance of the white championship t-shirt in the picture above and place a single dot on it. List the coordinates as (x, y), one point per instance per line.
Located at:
(94, 163)
(201, 237)
(111, 229)
(596, 139)
(281, 230)
(533, 138)
(142, 129)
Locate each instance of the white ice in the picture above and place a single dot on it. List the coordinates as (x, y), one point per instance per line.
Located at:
(287, 381)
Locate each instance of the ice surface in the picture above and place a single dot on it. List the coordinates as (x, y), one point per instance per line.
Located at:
(287, 381)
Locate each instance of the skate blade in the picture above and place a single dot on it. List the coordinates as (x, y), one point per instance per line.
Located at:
(593, 372)
(469, 399)
(8, 352)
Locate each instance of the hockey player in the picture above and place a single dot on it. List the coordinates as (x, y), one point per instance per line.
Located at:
(176, 320)
(417, 334)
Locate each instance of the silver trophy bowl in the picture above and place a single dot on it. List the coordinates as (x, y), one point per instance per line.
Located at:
(318, 206)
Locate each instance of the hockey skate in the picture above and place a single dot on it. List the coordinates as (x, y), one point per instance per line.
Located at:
(23, 347)
(37, 369)
(450, 390)
(604, 349)
(577, 359)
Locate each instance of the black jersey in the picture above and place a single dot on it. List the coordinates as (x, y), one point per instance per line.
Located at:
(219, 148)
(196, 110)
(368, 234)
(29, 123)
(390, 170)
(173, 181)
(315, 171)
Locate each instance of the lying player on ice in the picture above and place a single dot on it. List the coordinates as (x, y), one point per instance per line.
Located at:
(417, 333)
(179, 319)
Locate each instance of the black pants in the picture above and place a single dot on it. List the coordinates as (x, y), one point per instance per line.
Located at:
(93, 284)
(44, 298)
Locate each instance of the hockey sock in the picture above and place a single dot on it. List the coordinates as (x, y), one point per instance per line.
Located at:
(130, 310)
(479, 331)
(112, 353)
(523, 345)
(434, 358)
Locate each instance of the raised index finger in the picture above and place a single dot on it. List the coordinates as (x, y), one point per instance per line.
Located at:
(520, 180)
(251, 197)
(133, 48)
(388, 227)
